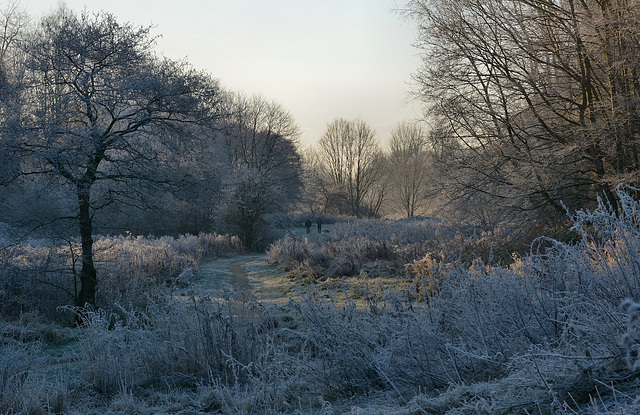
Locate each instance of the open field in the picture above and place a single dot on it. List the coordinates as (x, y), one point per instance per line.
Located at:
(344, 325)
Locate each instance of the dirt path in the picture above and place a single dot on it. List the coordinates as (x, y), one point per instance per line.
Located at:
(250, 273)
(239, 277)
(219, 275)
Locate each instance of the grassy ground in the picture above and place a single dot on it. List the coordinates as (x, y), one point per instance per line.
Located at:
(250, 273)
(547, 334)
(273, 284)
(219, 275)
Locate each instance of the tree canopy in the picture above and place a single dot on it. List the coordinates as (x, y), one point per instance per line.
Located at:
(97, 110)
(535, 102)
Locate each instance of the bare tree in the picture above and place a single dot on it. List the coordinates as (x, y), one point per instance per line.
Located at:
(261, 141)
(409, 168)
(379, 192)
(99, 110)
(349, 165)
(262, 135)
(541, 97)
(13, 23)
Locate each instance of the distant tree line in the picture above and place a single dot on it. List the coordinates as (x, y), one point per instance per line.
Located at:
(351, 173)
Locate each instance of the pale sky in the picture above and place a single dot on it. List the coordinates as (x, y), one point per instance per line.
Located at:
(320, 59)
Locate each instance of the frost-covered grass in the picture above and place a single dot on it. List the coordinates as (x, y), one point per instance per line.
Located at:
(556, 331)
(345, 248)
(43, 275)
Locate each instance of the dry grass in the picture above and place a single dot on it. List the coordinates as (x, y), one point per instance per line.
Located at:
(554, 332)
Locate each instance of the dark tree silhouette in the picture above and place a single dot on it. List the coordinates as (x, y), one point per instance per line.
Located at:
(99, 110)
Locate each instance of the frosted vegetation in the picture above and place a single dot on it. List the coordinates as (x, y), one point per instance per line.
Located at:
(41, 275)
(100, 133)
(554, 331)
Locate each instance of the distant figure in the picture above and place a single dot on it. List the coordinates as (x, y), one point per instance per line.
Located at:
(319, 222)
(307, 225)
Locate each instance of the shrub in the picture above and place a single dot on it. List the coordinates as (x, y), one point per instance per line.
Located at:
(349, 246)
(44, 276)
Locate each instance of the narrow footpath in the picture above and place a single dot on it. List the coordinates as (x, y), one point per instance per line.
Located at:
(230, 273)
(239, 278)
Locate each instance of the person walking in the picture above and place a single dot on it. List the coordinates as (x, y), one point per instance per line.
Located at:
(319, 222)
(307, 225)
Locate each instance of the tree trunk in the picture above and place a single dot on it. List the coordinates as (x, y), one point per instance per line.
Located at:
(88, 278)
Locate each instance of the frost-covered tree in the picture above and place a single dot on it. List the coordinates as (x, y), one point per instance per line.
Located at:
(261, 135)
(349, 164)
(540, 97)
(100, 114)
(260, 141)
(13, 23)
(248, 197)
(409, 168)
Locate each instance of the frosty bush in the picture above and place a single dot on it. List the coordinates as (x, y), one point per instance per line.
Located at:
(554, 314)
(228, 345)
(351, 246)
(43, 277)
(35, 278)
(24, 391)
(545, 331)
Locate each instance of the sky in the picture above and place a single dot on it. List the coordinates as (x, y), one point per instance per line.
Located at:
(320, 59)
